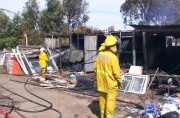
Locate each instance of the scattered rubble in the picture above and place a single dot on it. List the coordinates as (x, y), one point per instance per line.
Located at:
(24, 61)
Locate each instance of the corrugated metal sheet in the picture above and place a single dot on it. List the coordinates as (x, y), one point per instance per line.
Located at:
(90, 48)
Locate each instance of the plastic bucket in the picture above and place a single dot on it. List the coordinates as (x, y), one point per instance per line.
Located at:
(72, 79)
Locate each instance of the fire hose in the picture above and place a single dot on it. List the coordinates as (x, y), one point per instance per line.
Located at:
(30, 111)
(6, 114)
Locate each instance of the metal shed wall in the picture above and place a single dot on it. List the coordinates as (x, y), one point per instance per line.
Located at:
(90, 50)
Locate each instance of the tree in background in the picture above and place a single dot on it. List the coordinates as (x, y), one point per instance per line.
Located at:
(51, 18)
(7, 37)
(75, 13)
(30, 16)
(17, 26)
(151, 12)
(87, 30)
(5, 24)
(58, 17)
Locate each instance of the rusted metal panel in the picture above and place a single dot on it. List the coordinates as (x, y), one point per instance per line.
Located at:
(90, 50)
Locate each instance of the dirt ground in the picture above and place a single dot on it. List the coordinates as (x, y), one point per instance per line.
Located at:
(71, 105)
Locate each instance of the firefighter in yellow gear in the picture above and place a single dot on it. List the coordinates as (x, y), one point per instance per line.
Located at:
(108, 75)
(43, 61)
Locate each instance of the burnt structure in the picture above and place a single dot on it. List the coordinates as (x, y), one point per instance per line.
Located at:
(152, 47)
(147, 46)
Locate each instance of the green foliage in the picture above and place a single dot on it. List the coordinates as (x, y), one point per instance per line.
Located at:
(80, 29)
(7, 37)
(30, 16)
(29, 24)
(151, 12)
(51, 19)
(17, 27)
(5, 25)
(86, 30)
(70, 14)
(58, 17)
(75, 12)
(8, 42)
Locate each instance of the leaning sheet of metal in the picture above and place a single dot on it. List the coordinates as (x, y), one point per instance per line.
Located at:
(20, 62)
(33, 72)
(2, 57)
(52, 62)
(90, 48)
(31, 54)
(21, 59)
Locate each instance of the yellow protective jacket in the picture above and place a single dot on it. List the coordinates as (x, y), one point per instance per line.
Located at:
(108, 72)
(43, 59)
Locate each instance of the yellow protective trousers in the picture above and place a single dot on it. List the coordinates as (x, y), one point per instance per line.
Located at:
(43, 71)
(107, 104)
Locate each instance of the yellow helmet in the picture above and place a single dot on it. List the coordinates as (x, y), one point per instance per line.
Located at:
(110, 41)
(102, 47)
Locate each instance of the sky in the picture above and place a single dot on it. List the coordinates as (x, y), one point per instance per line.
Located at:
(102, 13)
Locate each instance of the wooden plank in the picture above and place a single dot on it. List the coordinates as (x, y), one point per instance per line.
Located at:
(152, 79)
(145, 50)
(134, 48)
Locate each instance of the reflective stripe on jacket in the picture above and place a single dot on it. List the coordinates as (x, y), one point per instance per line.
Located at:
(43, 59)
(108, 72)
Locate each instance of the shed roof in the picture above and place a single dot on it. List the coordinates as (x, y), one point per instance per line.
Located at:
(167, 30)
(157, 27)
